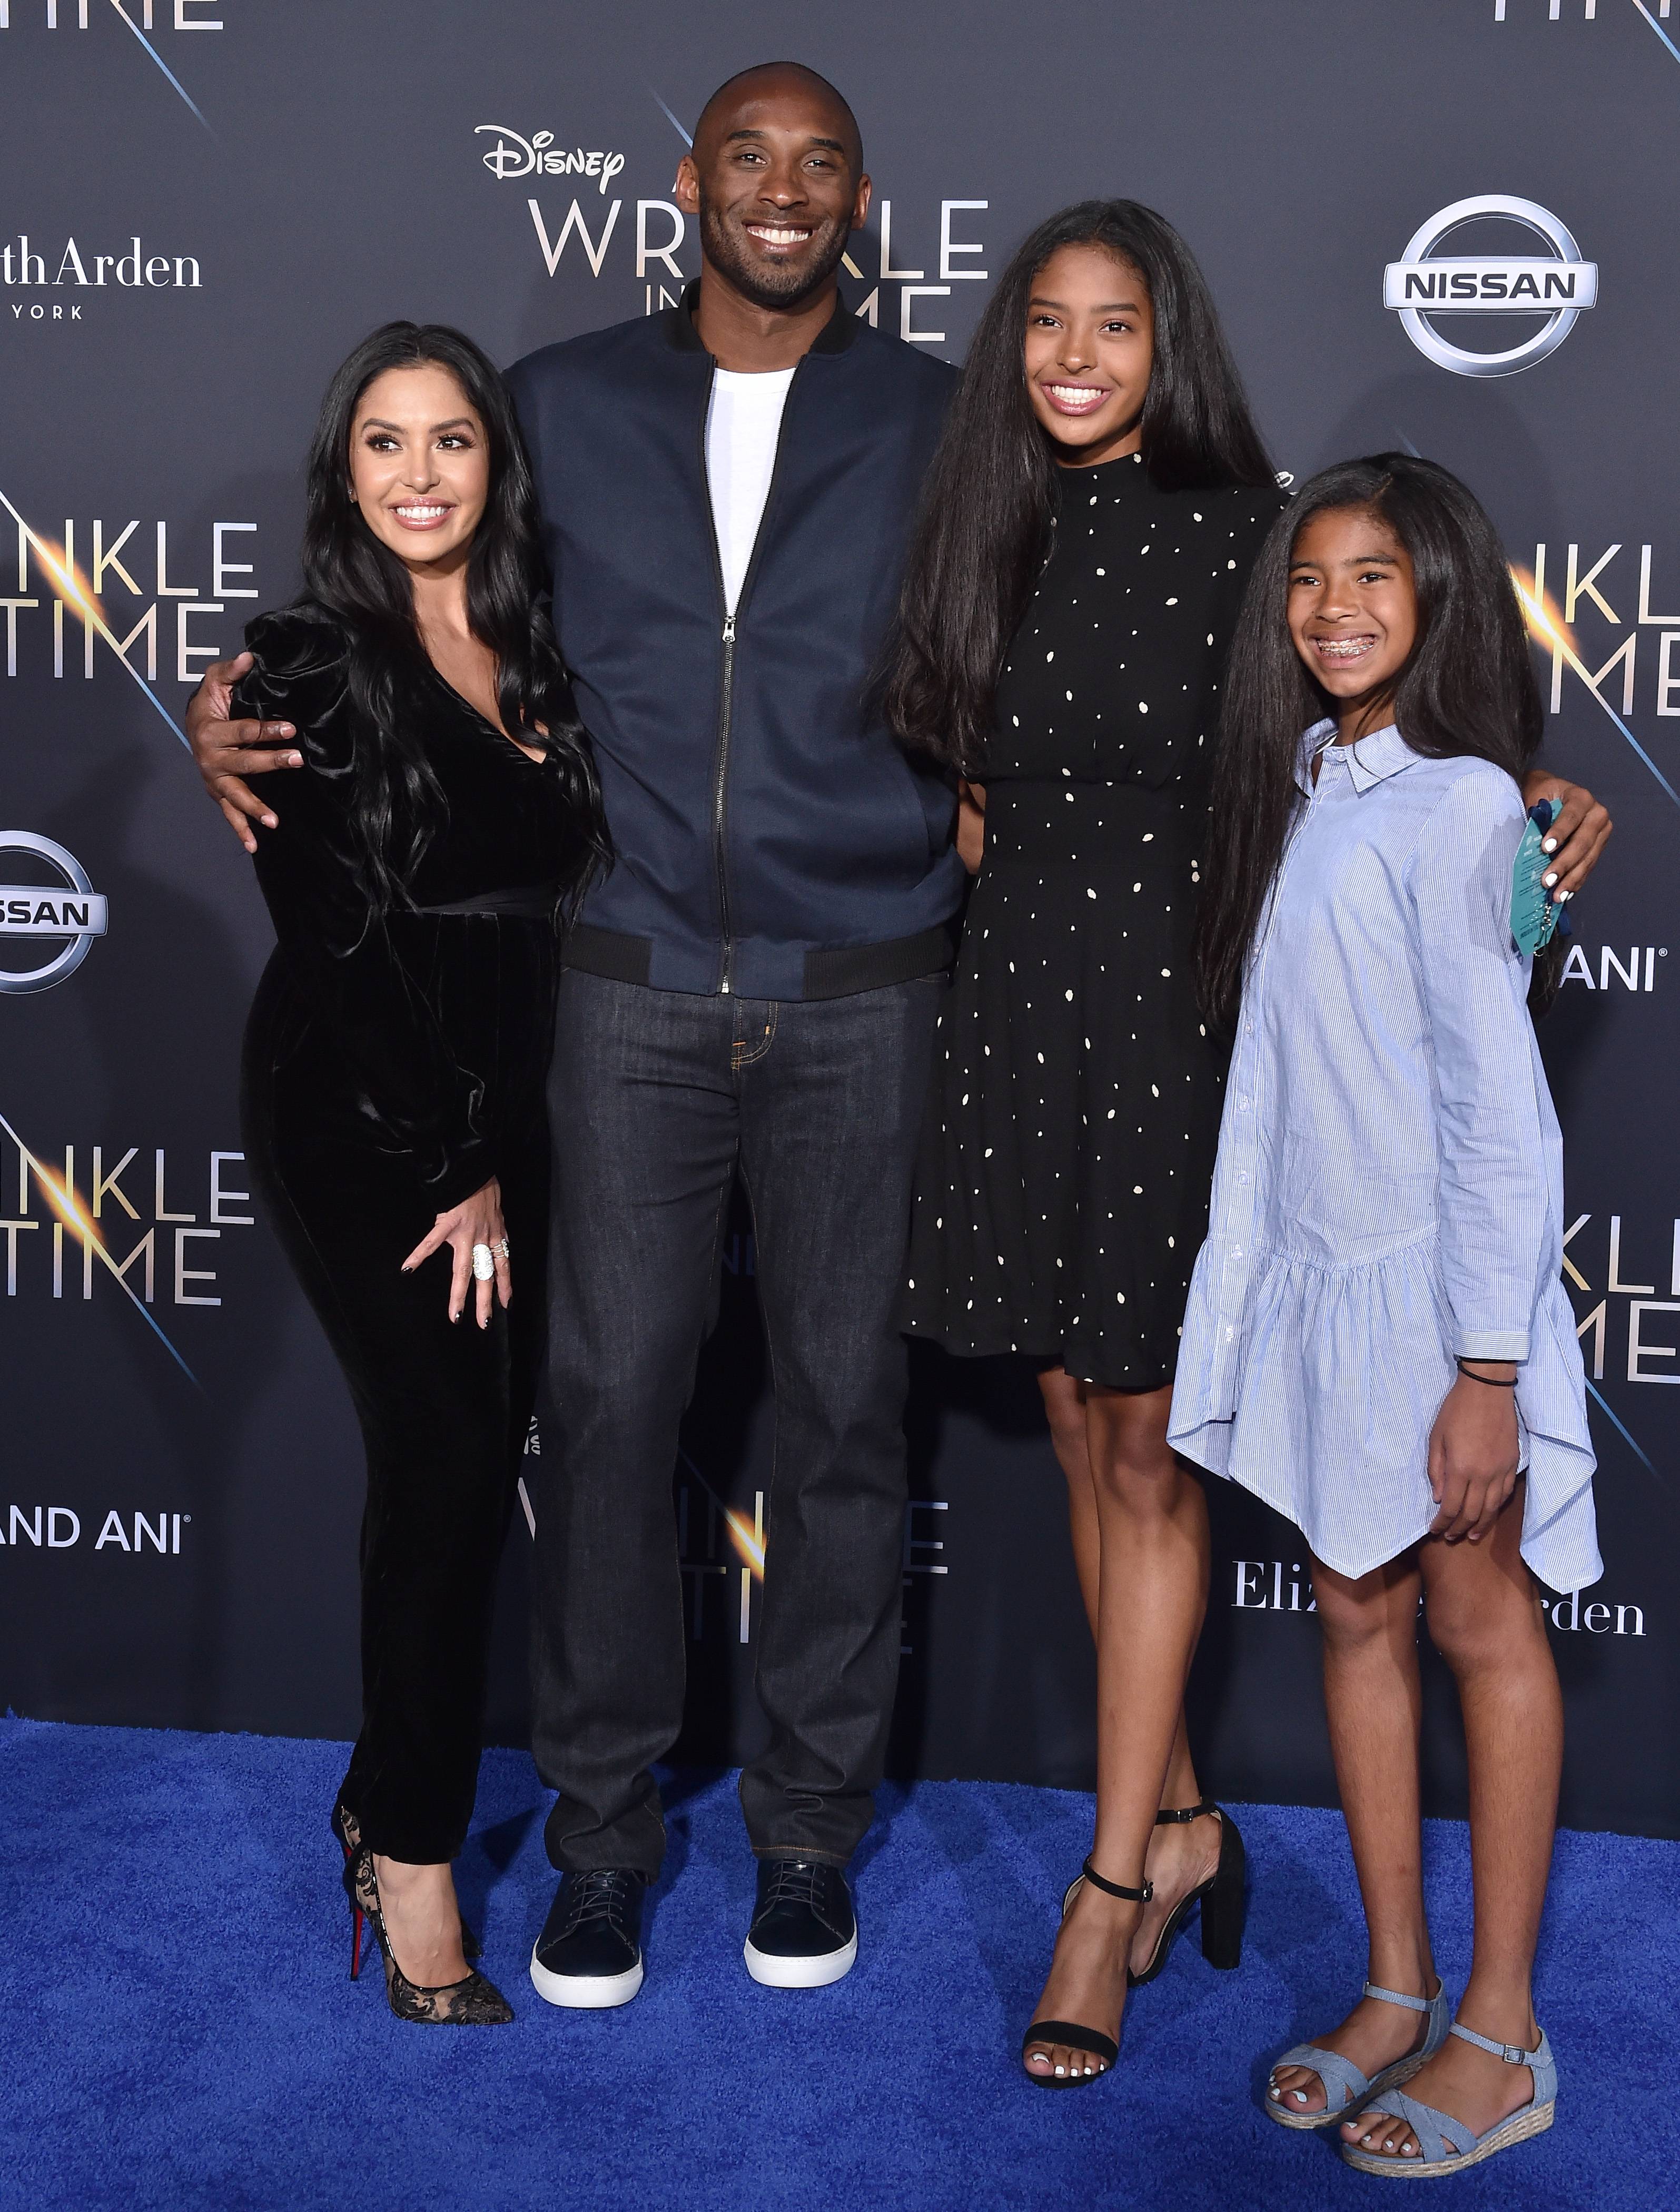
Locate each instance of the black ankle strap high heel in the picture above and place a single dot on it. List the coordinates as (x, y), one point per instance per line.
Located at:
(1223, 1899)
(1044, 2032)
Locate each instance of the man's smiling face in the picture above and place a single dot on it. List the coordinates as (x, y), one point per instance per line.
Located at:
(775, 177)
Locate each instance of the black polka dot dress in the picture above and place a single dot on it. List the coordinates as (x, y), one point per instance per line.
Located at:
(1063, 1186)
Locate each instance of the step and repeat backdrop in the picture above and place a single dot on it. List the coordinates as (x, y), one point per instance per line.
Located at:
(1445, 227)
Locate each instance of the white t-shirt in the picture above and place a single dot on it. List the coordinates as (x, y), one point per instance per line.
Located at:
(741, 427)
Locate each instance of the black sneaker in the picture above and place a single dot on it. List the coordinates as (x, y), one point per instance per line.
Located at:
(804, 1933)
(589, 1954)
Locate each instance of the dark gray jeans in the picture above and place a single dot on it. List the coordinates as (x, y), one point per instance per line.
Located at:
(656, 1100)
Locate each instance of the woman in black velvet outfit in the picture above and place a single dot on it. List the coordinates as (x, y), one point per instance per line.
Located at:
(395, 1057)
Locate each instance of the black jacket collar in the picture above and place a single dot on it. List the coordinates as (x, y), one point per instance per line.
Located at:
(837, 334)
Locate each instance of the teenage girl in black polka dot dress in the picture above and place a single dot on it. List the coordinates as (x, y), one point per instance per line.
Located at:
(1088, 530)
(1063, 1194)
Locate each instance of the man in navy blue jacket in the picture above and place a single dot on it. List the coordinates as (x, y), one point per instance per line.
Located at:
(726, 493)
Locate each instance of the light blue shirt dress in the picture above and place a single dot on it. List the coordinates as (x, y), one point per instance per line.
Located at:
(1389, 1189)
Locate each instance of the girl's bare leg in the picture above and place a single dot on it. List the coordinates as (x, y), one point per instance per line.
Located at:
(1180, 1857)
(1373, 1701)
(1485, 1621)
(1151, 1595)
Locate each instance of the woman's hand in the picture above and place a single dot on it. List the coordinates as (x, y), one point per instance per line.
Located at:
(475, 1220)
(970, 824)
(1575, 842)
(1473, 1454)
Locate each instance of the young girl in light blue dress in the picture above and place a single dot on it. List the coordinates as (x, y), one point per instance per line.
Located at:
(1378, 1341)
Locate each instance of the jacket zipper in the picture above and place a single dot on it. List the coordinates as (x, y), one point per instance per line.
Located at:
(725, 710)
(726, 699)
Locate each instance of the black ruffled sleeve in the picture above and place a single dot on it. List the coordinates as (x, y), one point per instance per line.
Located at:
(343, 952)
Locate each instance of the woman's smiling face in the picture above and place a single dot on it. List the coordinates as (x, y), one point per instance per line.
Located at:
(1090, 348)
(1353, 611)
(420, 466)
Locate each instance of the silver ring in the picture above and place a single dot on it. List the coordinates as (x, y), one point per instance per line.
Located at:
(483, 1264)
(500, 1248)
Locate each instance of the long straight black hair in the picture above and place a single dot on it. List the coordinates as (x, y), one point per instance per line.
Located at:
(1468, 687)
(398, 804)
(987, 511)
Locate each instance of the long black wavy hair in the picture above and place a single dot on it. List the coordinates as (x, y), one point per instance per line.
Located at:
(1468, 687)
(399, 805)
(987, 510)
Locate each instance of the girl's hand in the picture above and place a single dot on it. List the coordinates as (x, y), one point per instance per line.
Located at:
(475, 1220)
(1473, 1454)
(970, 823)
(1575, 842)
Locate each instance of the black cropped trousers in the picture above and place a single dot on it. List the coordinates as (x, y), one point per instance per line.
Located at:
(445, 1411)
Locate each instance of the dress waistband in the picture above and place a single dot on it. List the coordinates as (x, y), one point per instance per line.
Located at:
(528, 902)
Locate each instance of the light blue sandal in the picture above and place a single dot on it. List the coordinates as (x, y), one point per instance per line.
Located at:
(1341, 2077)
(1446, 2144)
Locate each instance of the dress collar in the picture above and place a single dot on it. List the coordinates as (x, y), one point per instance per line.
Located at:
(1371, 760)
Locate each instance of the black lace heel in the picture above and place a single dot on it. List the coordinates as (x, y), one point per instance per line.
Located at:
(472, 2001)
(347, 1834)
(1223, 1899)
(1069, 2031)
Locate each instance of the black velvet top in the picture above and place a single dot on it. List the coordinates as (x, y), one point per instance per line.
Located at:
(432, 1022)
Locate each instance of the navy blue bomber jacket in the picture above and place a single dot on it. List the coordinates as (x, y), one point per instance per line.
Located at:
(771, 838)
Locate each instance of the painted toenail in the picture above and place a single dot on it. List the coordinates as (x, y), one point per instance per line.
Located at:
(1061, 2069)
(1275, 2094)
(1300, 2096)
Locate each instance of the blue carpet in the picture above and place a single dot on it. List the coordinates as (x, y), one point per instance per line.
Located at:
(177, 2029)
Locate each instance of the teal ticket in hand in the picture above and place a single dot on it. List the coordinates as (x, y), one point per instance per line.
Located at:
(1533, 914)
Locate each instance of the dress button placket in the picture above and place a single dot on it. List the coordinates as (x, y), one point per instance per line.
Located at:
(1239, 1222)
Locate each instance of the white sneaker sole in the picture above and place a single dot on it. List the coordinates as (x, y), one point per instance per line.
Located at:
(779, 1973)
(584, 1992)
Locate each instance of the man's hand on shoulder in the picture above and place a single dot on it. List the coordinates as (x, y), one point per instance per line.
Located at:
(227, 752)
(1579, 831)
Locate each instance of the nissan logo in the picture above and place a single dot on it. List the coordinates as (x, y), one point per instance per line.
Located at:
(1557, 285)
(70, 908)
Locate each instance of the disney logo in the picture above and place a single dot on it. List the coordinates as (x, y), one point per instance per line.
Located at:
(515, 157)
